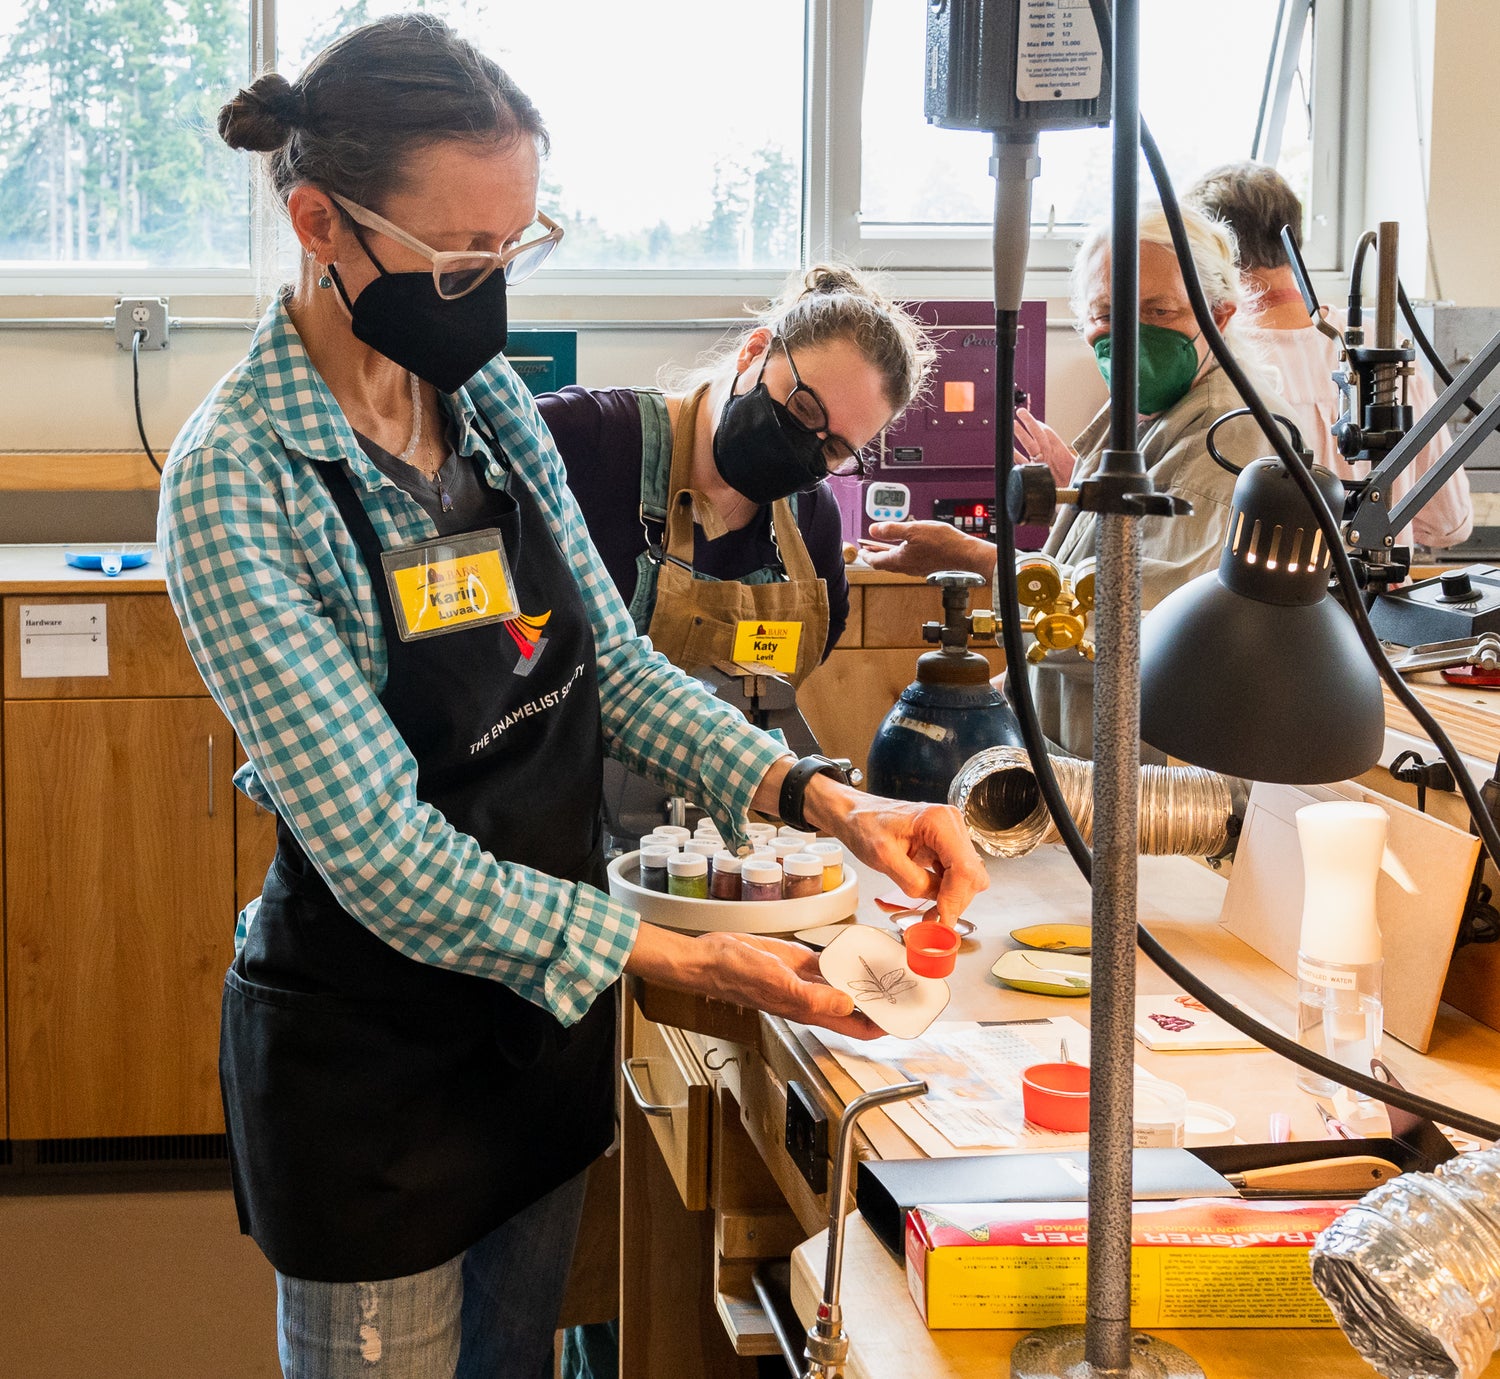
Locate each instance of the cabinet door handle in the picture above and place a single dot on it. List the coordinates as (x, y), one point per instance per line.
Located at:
(210, 775)
(651, 1108)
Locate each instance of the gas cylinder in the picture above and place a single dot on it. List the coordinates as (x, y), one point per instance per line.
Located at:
(949, 712)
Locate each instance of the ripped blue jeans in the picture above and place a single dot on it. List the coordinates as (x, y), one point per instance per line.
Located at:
(490, 1312)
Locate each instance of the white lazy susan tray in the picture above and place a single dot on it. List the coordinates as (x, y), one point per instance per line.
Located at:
(690, 916)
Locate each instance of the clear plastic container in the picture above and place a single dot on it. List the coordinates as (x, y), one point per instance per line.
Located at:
(653, 866)
(1339, 1014)
(760, 879)
(724, 883)
(832, 854)
(802, 875)
(1159, 1118)
(687, 875)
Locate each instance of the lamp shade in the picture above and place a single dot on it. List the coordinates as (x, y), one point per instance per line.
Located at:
(1254, 671)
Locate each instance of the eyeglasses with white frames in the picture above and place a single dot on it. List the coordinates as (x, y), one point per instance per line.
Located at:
(456, 273)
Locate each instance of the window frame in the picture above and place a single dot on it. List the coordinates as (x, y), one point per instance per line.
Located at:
(951, 259)
(836, 95)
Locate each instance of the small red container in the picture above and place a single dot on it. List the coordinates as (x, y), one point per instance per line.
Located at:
(931, 948)
(1056, 1095)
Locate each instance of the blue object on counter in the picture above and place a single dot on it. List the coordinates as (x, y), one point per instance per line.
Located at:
(110, 562)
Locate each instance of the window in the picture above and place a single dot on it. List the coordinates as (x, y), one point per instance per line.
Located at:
(670, 150)
(731, 144)
(923, 189)
(676, 135)
(108, 154)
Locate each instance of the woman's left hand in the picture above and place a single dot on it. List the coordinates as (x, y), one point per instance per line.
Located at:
(924, 848)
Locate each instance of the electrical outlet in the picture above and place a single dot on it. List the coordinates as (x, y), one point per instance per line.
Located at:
(145, 314)
(807, 1137)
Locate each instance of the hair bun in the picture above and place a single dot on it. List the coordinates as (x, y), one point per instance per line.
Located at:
(263, 115)
(833, 277)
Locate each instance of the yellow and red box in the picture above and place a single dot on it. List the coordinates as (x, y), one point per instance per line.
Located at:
(1198, 1262)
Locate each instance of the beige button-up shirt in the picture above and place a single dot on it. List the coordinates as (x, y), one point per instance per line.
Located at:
(1174, 550)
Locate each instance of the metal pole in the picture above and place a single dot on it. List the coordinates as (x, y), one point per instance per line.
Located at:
(827, 1345)
(1117, 715)
(1117, 614)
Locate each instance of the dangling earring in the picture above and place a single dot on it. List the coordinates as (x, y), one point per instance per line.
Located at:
(325, 281)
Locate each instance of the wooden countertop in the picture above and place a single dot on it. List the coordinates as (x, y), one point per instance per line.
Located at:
(859, 574)
(42, 570)
(1179, 903)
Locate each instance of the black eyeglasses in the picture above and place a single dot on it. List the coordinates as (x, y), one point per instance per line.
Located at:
(808, 411)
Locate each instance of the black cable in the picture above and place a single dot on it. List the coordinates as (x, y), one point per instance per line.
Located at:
(1354, 318)
(1017, 680)
(1271, 1038)
(1227, 464)
(1427, 347)
(140, 425)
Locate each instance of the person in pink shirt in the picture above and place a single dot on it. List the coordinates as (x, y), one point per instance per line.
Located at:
(1255, 202)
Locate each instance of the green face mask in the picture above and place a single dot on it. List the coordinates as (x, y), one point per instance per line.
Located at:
(1167, 366)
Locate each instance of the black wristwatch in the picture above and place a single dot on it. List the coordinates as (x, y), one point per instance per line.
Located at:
(794, 786)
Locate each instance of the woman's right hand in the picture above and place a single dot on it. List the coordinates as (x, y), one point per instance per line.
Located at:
(769, 974)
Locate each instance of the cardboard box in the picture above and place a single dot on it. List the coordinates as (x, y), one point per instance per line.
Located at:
(1201, 1262)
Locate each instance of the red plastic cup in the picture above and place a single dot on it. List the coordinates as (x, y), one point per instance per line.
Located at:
(931, 948)
(1056, 1095)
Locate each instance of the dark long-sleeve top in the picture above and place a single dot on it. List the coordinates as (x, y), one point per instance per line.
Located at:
(598, 435)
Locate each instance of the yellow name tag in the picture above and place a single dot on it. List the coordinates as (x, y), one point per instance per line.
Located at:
(441, 586)
(771, 644)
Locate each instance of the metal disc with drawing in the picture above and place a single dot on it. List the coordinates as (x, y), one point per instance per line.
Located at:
(871, 966)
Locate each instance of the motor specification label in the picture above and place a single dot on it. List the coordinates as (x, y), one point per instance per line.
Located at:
(1059, 55)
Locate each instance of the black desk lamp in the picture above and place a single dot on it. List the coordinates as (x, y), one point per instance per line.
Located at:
(1254, 671)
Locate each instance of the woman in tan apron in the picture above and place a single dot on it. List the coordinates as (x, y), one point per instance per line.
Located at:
(709, 509)
(707, 504)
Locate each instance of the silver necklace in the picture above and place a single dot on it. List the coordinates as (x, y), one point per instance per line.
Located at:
(445, 499)
(416, 421)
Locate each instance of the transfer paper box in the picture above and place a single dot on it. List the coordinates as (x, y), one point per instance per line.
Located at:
(1211, 1262)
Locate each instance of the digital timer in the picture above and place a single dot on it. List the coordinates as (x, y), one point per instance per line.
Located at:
(887, 502)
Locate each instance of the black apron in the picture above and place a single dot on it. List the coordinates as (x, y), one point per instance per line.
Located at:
(384, 1114)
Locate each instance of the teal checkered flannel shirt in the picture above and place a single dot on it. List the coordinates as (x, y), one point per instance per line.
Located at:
(280, 615)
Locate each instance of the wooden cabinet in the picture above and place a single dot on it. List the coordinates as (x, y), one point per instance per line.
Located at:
(123, 842)
(119, 848)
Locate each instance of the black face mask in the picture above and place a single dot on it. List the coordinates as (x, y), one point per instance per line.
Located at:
(762, 451)
(445, 343)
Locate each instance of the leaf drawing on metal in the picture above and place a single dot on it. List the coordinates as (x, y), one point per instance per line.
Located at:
(886, 987)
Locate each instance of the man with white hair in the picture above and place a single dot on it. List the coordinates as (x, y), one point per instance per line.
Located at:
(1182, 392)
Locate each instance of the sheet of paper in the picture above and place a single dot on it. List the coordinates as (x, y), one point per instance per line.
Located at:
(63, 639)
(973, 1072)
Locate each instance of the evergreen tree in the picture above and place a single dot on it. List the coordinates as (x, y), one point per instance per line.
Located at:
(107, 145)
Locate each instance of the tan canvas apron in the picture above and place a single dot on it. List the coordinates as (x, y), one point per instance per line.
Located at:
(695, 618)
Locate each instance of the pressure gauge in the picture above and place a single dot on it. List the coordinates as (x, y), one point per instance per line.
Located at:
(887, 502)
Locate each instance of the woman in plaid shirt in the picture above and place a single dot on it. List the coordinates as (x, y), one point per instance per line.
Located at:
(391, 595)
